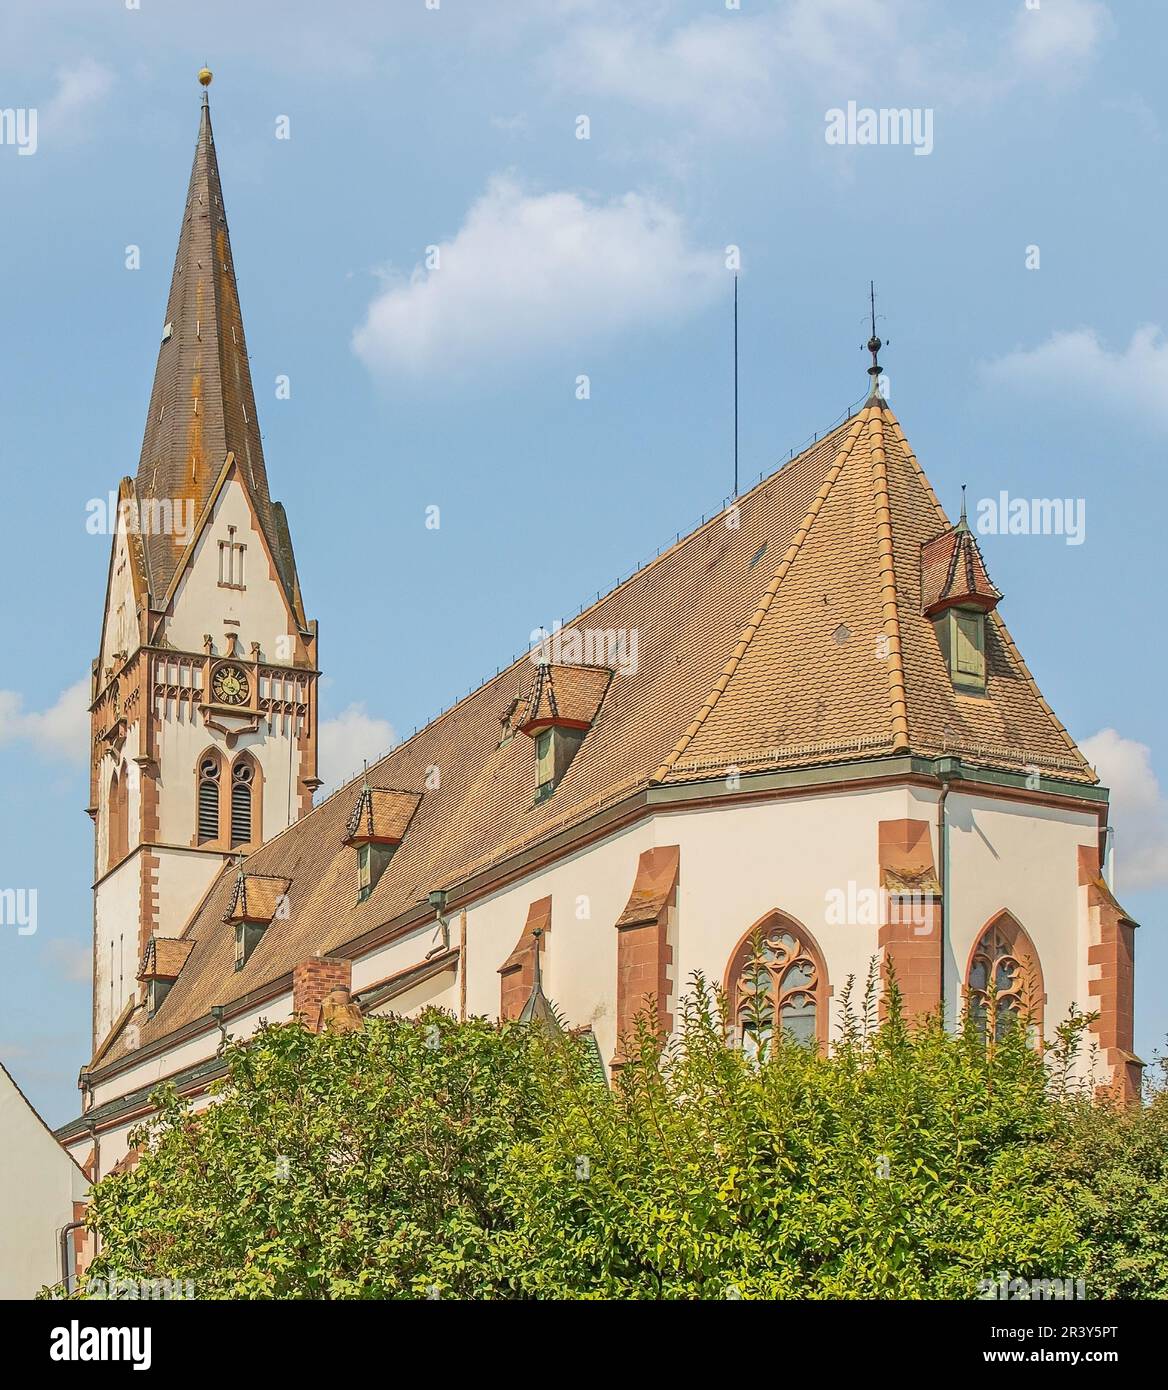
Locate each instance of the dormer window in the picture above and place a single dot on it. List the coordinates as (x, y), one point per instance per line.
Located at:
(554, 750)
(961, 636)
(556, 713)
(376, 827)
(257, 901)
(956, 593)
(164, 959)
(545, 761)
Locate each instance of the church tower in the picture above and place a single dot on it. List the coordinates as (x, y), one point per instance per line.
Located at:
(204, 695)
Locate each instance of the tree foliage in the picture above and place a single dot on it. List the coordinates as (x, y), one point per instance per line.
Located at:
(432, 1158)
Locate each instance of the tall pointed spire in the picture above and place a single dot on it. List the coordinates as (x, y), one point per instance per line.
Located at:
(202, 406)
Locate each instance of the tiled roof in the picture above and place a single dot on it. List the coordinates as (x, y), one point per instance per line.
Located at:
(256, 897)
(165, 957)
(382, 814)
(840, 657)
(202, 406)
(820, 655)
(566, 696)
(953, 571)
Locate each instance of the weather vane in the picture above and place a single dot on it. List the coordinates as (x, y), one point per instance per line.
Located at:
(874, 343)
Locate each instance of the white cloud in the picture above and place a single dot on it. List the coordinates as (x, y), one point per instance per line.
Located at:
(731, 72)
(1076, 364)
(720, 69)
(527, 272)
(345, 742)
(1059, 38)
(736, 73)
(1139, 810)
(61, 731)
(78, 89)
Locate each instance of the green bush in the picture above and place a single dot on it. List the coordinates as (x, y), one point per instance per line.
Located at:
(431, 1158)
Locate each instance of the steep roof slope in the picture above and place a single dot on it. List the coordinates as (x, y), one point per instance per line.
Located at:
(786, 632)
(842, 659)
(202, 405)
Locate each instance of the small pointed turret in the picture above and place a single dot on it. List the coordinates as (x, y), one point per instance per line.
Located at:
(538, 1008)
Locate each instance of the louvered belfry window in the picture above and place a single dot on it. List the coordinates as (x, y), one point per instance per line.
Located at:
(208, 800)
(242, 775)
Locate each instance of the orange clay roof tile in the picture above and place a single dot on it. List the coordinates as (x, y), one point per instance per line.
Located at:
(830, 659)
(564, 695)
(382, 814)
(257, 897)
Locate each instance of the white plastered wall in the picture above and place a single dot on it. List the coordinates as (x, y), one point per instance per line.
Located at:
(121, 623)
(1023, 858)
(38, 1186)
(115, 943)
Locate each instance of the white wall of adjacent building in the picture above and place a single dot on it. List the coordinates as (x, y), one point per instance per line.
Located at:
(39, 1183)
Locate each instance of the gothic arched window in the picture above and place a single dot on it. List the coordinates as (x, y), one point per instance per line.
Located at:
(777, 979)
(1005, 978)
(208, 827)
(118, 827)
(242, 780)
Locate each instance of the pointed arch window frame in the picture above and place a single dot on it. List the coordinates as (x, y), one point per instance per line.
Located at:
(245, 758)
(117, 817)
(1003, 943)
(209, 754)
(224, 838)
(771, 928)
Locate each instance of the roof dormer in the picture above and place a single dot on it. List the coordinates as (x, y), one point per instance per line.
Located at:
(256, 902)
(164, 959)
(957, 593)
(557, 712)
(375, 828)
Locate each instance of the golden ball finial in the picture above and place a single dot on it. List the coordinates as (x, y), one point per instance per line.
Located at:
(205, 76)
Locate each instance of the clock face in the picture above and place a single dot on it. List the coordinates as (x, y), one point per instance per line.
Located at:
(229, 686)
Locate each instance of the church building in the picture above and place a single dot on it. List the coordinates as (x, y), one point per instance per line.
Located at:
(798, 741)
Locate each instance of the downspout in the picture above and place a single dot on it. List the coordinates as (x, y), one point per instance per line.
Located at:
(437, 900)
(67, 1265)
(947, 769)
(1109, 856)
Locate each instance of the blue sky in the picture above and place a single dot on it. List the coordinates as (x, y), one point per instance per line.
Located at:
(456, 127)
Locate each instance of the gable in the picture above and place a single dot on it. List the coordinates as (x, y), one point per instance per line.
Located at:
(201, 602)
(126, 586)
(120, 633)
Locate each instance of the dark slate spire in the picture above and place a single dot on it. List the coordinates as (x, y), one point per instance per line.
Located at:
(202, 406)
